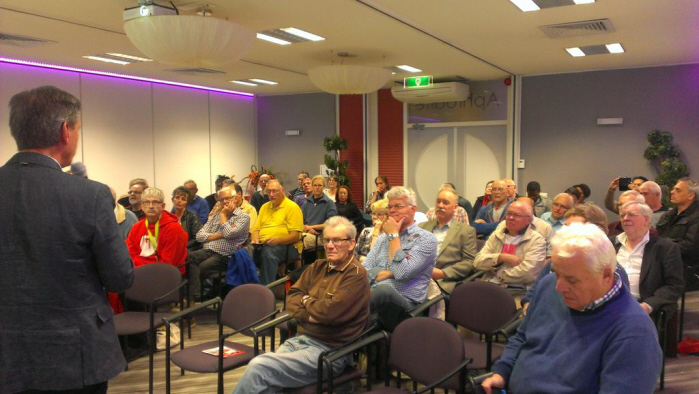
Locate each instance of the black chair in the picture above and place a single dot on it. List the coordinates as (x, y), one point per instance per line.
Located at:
(154, 285)
(245, 306)
(661, 324)
(487, 309)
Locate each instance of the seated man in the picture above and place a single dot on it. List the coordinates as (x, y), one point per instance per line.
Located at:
(584, 332)
(541, 204)
(456, 242)
(197, 205)
(211, 198)
(221, 236)
(299, 190)
(307, 188)
(653, 195)
(316, 210)
(625, 197)
(514, 254)
(260, 197)
(278, 230)
(460, 213)
(400, 263)
(541, 226)
(491, 215)
(158, 238)
(556, 217)
(330, 302)
(132, 202)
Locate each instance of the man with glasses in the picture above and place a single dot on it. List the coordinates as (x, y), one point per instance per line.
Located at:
(400, 263)
(132, 201)
(330, 302)
(514, 254)
(491, 215)
(222, 235)
(278, 231)
(157, 238)
(556, 217)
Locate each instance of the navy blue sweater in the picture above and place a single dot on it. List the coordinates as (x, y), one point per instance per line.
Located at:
(612, 349)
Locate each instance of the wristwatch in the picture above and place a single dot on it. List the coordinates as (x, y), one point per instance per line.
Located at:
(391, 237)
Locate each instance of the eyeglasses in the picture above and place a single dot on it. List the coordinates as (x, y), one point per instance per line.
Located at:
(557, 205)
(151, 203)
(273, 191)
(133, 192)
(515, 215)
(335, 241)
(397, 206)
(629, 215)
(497, 189)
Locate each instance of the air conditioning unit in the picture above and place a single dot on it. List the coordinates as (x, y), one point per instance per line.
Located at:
(437, 93)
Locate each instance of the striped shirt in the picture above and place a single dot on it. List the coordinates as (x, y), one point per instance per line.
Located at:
(234, 231)
(608, 296)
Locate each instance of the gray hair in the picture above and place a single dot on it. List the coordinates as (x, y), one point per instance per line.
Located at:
(138, 181)
(190, 181)
(398, 192)
(693, 186)
(154, 192)
(645, 209)
(589, 241)
(226, 189)
(37, 116)
(636, 195)
(568, 197)
(337, 221)
(653, 187)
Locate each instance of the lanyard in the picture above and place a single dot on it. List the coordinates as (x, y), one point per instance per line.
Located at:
(153, 240)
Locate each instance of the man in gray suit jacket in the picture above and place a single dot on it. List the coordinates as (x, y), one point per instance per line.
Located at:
(456, 242)
(60, 250)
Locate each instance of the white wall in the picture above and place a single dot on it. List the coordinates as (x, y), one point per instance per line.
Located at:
(133, 129)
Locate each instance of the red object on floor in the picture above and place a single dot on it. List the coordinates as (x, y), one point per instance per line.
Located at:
(688, 346)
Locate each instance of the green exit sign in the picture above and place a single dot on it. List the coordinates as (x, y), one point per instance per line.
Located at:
(417, 82)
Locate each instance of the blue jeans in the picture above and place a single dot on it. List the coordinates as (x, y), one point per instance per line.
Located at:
(388, 307)
(271, 256)
(294, 364)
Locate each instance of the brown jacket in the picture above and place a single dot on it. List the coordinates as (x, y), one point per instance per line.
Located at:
(339, 302)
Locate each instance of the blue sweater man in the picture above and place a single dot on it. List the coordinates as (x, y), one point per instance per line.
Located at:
(584, 332)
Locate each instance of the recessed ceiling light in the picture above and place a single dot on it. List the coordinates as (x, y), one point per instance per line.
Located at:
(263, 81)
(272, 39)
(409, 69)
(526, 5)
(130, 57)
(583, 1)
(244, 83)
(303, 34)
(107, 60)
(575, 52)
(615, 48)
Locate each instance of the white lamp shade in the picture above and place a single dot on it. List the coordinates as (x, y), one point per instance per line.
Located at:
(347, 79)
(193, 41)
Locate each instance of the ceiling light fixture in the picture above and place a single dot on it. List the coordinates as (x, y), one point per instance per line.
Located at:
(130, 57)
(525, 5)
(244, 83)
(272, 39)
(615, 48)
(583, 1)
(264, 81)
(107, 60)
(409, 69)
(303, 34)
(575, 52)
(349, 79)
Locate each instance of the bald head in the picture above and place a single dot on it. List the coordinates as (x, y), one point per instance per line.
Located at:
(499, 191)
(527, 200)
(511, 187)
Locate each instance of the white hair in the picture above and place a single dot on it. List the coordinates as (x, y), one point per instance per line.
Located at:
(566, 196)
(341, 221)
(638, 197)
(588, 240)
(154, 192)
(398, 192)
(653, 187)
(645, 209)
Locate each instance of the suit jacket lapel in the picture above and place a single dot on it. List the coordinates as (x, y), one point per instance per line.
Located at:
(648, 257)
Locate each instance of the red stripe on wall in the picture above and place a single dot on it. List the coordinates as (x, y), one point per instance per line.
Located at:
(390, 124)
(352, 129)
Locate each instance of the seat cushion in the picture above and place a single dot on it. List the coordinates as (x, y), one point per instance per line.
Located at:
(193, 359)
(129, 323)
(478, 351)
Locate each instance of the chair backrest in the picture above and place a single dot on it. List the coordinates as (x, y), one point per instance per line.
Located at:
(482, 307)
(247, 304)
(152, 281)
(480, 243)
(426, 349)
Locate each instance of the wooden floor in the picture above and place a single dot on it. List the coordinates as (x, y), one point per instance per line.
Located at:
(682, 373)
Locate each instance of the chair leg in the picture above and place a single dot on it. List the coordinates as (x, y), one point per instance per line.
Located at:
(151, 346)
(681, 334)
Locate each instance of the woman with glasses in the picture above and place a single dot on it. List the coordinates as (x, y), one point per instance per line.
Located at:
(379, 214)
(331, 191)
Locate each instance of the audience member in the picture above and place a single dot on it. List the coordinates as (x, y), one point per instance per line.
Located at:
(584, 332)
(79, 169)
(542, 204)
(211, 198)
(244, 206)
(456, 242)
(59, 250)
(158, 238)
(514, 254)
(382, 186)
(482, 201)
(132, 202)
(575, 193)
(299, 190)
(260, 197)
(330, 303)
(635, 185)
(197, 204)
(278, 228)
(333, 183)
(491, 215)
(460, 213)
(379, 214)
(347, 208)
(221, 236)
(187, 219)
(653, 195)
(463, 202)
(681, 225)
(400, 263)
(585, 192)
(511, 188)
(307, 185)
(541, 226)
(316, 210)
(614, 228)
(561, 204)
(125, 219)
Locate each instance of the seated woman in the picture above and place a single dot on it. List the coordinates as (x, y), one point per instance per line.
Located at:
(348, 209)
(382, 186)
(482, 201)
(379, 214)
(316, 210)
(331, 191)
(189, 221)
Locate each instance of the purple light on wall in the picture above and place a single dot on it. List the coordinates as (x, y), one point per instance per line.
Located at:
(121, 76)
